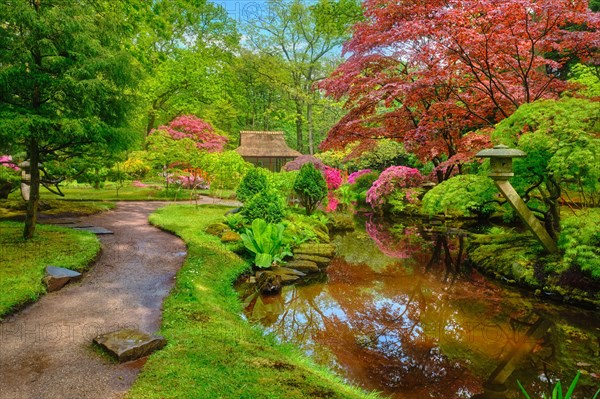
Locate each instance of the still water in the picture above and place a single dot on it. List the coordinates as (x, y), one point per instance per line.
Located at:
(400, 311)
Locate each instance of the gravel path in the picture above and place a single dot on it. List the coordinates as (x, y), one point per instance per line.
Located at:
(45, 350)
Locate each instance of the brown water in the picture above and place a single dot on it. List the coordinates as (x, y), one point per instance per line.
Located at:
(399, 311)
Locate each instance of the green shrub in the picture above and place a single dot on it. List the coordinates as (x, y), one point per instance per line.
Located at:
(462, 196)
(310, 186)
(283, 182)
(362, 185)
(267, 205)
(580, 242)
(253, 182)
(265, 241)
(226, 169)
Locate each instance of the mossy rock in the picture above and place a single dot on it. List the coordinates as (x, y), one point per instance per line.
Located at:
(340, 222)
(230, 237)
(321, 261)
(326, 250)
(304, 266)
(301, 226)
(216, 229)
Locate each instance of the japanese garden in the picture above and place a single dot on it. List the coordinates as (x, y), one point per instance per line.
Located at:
(300, 199)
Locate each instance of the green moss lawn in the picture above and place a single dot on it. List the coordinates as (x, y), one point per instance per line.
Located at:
(22, 263)
(212, 352)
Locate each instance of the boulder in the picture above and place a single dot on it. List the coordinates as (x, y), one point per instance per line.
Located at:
(269, 283)
(58, 277)
(326, 250)
(216, 229)
(304, 266)
(129, 344)
(321, 261)
(340, 222)
(230, 236)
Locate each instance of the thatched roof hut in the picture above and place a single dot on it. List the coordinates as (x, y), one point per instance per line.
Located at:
(266, 149)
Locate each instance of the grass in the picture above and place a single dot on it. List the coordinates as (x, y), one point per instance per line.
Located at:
(14, 208)
(22, 263)
(212, 352)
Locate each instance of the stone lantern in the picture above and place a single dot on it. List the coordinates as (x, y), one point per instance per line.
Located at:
(501, 160)
(25, 179)
(501, 164)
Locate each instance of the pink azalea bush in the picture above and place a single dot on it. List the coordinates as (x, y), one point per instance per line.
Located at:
(332, 202)
(392, 179)
(192, 127)
(137, 183)
(333, 177)
(189, 182)
(353, 176)
(7, 162)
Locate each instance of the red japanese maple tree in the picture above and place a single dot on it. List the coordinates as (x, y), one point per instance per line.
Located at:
(192, 127)
(429, 72)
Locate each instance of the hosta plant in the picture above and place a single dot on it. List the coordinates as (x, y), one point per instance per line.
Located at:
(265, 241)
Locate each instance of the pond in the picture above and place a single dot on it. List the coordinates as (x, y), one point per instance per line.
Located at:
(400, 311)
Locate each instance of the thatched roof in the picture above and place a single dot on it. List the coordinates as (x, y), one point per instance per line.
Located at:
(264, 144)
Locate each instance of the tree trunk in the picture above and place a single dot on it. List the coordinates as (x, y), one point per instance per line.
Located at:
(34, 193)
(299, 140)
(309, 121)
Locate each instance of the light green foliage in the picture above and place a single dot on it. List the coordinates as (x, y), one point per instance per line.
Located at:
(265, 240)
(267, 205)
(385, 154)
(561, 139)
(283, 182)
(254, 181)
(136, 166)
(9, 180)
(462, 196)
(226, 169)
(235, 221)
(22, 263)
(580, 242)
(337, 158)
(589, 77)
(311, 187)
(399, 203)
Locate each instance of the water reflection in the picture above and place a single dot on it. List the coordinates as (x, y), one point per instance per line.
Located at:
(401, 312)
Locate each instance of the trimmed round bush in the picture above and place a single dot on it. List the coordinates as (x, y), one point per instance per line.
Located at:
(254, 181)
(311, 187)
(267, 205)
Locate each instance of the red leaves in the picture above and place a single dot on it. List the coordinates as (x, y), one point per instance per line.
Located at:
(426, 72)
(192, 127)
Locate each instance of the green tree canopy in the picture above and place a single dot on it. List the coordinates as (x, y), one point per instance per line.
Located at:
(66, 80)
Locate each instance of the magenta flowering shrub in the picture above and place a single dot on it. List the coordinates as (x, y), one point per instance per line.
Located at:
(333, 178)
(190, 182)
(7, 162)
(200, 131)
(332, 202)
(353, 176)
(392, 179)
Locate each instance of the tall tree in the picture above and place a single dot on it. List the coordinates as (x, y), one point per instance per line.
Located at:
(304, 36)
(184, 47)
(64, 78)
(428, 72)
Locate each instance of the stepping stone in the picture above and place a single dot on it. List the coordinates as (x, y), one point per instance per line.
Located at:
(304, 266)
(129, 344)
(58, 277)
(321, 261)
(325, 250)
(95, 230)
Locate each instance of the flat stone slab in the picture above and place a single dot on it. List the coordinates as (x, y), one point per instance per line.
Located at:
(305, 266)
(95, 230)
(325, 250)
(129, 344)
(321, 261)
(58, 277)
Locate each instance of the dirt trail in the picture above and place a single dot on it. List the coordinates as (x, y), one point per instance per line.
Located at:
(45, 350)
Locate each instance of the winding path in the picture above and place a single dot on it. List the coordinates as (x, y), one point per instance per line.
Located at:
(46, 351)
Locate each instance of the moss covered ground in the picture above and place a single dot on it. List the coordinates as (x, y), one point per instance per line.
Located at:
(212, 351)
(22, 263)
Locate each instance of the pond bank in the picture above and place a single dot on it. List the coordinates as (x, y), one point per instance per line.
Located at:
(212, 352)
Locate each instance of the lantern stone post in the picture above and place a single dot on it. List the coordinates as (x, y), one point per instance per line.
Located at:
(25, 179)
(501, 164)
